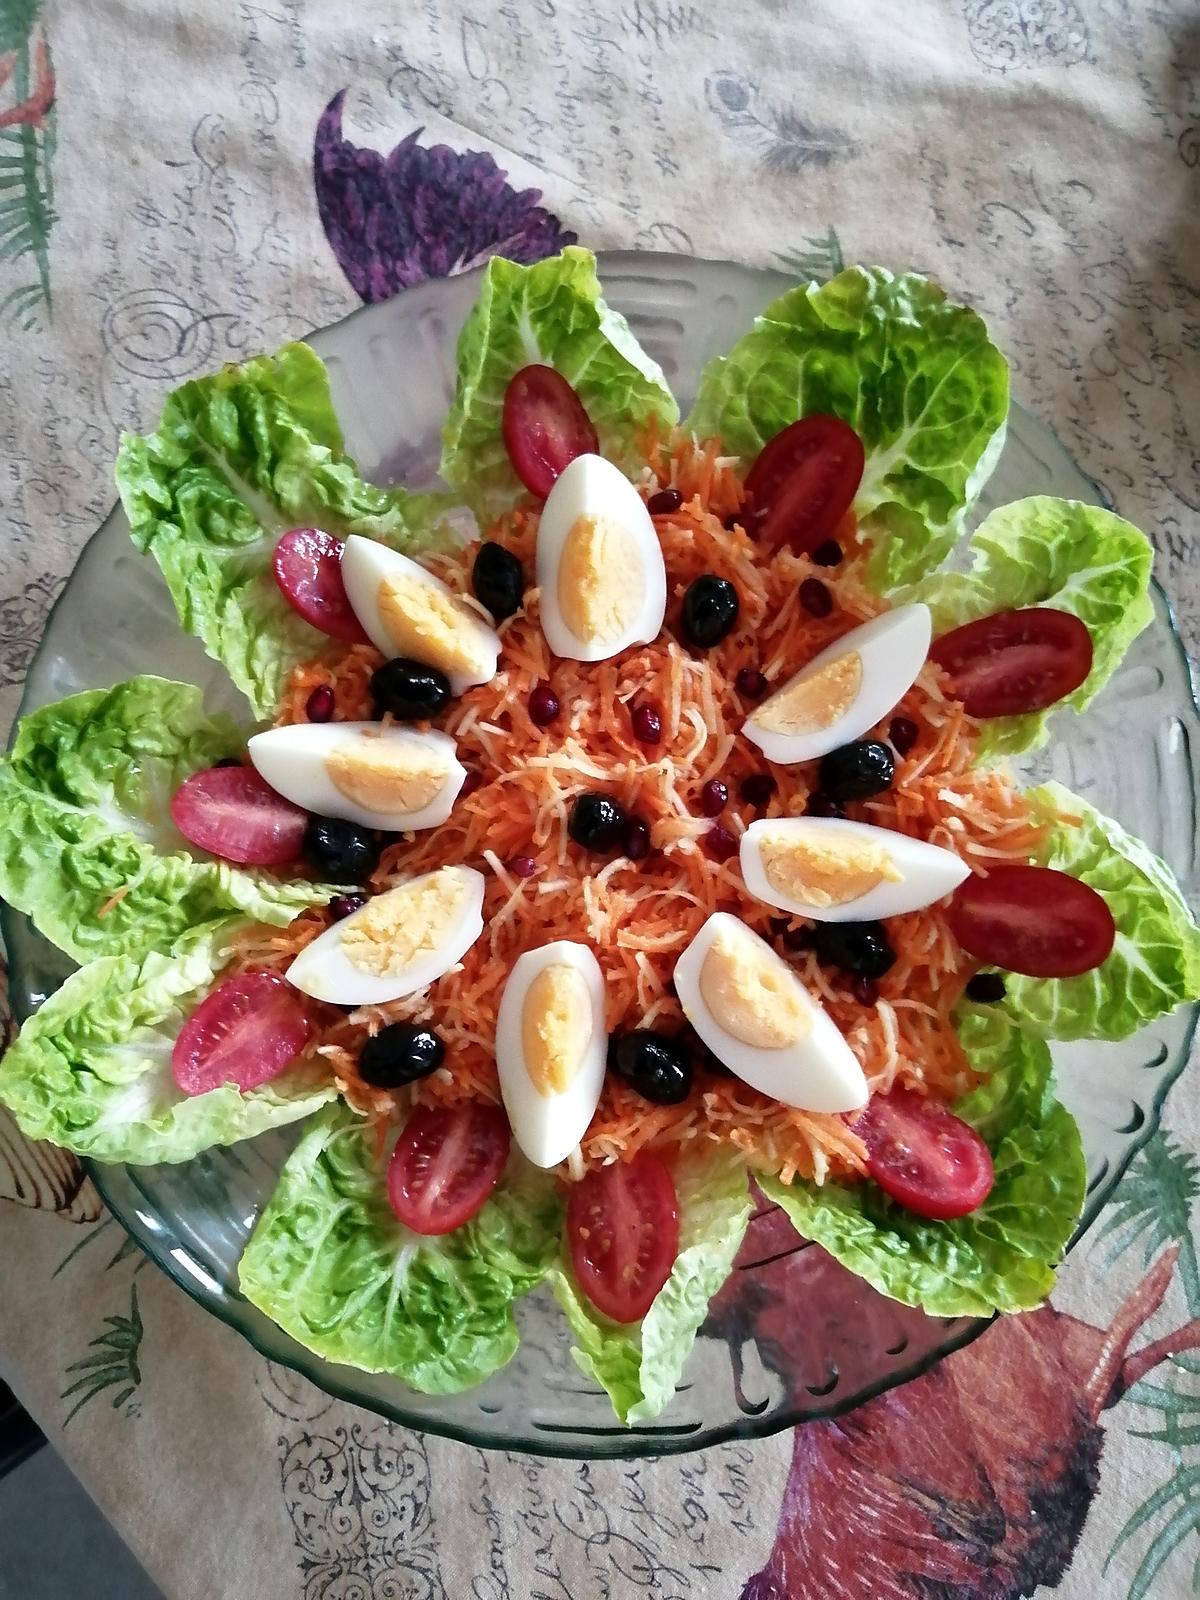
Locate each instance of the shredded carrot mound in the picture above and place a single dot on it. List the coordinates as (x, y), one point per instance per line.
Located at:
(638, 917)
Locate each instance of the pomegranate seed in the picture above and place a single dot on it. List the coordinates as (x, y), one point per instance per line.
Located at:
(820, 805)
(815, 598)
(637, 839)
(543, 705)
(865, 991)
(903, 733)
(319, 705)
(732, 521)
(758, 788)
(750, 683)
(472, 781)
(522, 866)
(714, 797)
(797, 939)
(664, 502)
(828, 554)
(345, 905)
(720, 843)
(647, 725)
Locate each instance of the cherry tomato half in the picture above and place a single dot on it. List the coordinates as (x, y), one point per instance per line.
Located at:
(623, 1229)
(233, 813)
(446, 1163)
(803, 482)
(1033, 920)
(545, 427)
(308, 568)
(1015, 661)
(927, 1159)
(246, 1032)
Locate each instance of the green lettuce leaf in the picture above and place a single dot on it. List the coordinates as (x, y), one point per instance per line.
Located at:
(639, 1363)
(238, 459)
(914, 375)
(91, 1070)
(1059, 553)
(85, 795)
(1001, 1257)
(550, 313)
(330, 1263)
(1155, 962)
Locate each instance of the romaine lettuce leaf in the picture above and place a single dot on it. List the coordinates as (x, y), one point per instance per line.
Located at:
(237, 459)
(1047, 552)
(331, 1264)
(91, 1070)
(1155, 962)
(914, 375)
(85, 795)
(1001, 1257)
(639, 1363)
(550, 313)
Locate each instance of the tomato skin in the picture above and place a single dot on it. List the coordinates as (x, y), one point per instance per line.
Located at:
(447, 1162)
(308, 569)
(1015, 661)
(246, 1031)
(1033, 920)
(803, 483)
(924, 1157)
(233, 813)
(545, 427)
(623, 1230)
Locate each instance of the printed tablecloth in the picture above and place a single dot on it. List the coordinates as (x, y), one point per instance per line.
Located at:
(181, 184)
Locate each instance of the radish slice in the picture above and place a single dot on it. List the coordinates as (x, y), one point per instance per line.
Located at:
(232, 813)
(308, 568)
(246, 1032)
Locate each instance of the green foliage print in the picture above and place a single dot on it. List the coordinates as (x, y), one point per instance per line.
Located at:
(27, 136)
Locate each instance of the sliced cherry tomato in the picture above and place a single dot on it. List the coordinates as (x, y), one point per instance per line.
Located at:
(803, 482)
(446, 1163)
(928, 1160)
(308, 568)
(233, 813)
(545, 427)
(1015, 661)
(1034, 920)
(246, 1032)
(623, 1229)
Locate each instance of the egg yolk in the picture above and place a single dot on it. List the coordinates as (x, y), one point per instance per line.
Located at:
(387, 774)
(814, 700)
(600, 579)
(556, 1025)
(394, 929)
(821, 869)
(751, 996)
(431, 626)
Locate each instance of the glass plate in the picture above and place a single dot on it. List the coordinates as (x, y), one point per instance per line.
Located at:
(792, 1336)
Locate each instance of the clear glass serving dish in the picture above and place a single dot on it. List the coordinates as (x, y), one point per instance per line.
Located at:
(792, 1336)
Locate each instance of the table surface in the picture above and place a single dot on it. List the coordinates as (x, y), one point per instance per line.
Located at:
(1041, 158)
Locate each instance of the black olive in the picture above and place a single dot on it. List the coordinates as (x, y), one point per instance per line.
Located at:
(654, 1064)
(410, 690)
(341, 852)
(857, 770)
(986, 987)
(399, 1054)
(858, 947)
(596, 822)
(497, 580)
(710, 610)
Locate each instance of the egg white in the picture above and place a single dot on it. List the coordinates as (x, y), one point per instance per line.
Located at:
(819, 1073)
(592, 486)
(892, 647)
(929, 871)
(548, 1127)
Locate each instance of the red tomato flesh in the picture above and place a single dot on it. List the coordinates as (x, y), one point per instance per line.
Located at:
(308, 568)
(246, 1032)
(1015, 661)
(1033, 920)
(545, 427)
(802, 483)
(233, 813)
(446, 1163)
(623, 1229)
(927, 1159)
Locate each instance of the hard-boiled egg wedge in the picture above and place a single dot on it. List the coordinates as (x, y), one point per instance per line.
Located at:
(845, 690)
(836, 871)
(599, 564)
(550, 1048)
(391, 778)
(756, 1016)
(398, 943)
(408, 612)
